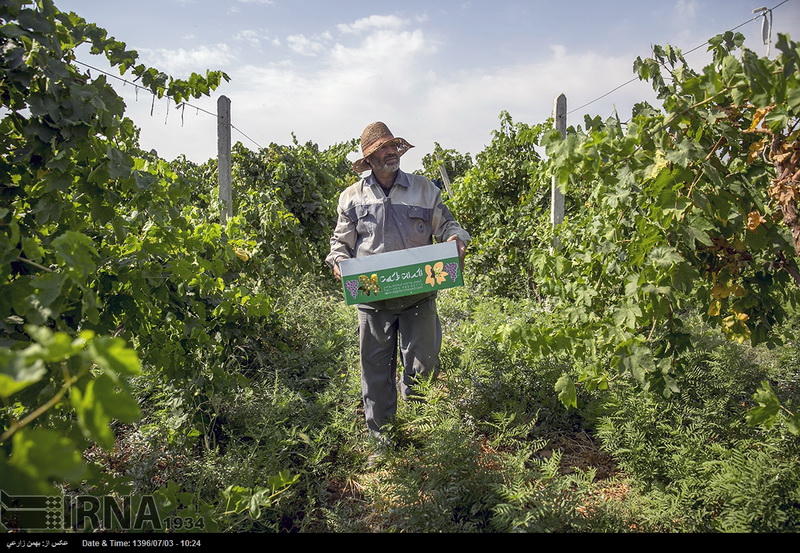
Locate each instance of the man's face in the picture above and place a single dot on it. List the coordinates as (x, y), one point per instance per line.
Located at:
(385, 160)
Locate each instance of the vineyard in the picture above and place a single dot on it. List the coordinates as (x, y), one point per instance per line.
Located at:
(634, 369)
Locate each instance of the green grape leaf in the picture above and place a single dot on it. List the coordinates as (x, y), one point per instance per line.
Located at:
(665, 256)
(98, 403)
(44, 454)
(768, 406)
(113, 356)
(18, 371)
(76, 251)
(48, 287)
(793, 424)
(566, 391)
(116, 400)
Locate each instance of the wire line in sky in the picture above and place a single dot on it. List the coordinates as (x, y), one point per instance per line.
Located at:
(180, 106)
(688, 52)
(761, 13)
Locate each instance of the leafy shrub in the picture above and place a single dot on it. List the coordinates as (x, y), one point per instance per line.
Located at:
(502, 201)
(694, 456)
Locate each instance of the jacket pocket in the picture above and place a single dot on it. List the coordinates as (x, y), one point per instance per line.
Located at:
(419, 231)
(366, 219)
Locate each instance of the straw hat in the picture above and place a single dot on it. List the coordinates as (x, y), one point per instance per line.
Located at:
(375, 137)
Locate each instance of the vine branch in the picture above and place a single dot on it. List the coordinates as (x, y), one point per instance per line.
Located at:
(68, 383)
(34, 264)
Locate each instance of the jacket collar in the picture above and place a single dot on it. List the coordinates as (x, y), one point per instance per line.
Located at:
(401, 178)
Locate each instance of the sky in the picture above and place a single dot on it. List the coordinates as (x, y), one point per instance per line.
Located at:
(433, 71)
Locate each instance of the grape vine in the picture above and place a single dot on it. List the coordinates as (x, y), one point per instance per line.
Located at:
(695, 204)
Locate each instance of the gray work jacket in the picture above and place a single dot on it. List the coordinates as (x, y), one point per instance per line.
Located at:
(370, 221)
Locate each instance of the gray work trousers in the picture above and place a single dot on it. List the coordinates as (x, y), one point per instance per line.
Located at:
(419, 333)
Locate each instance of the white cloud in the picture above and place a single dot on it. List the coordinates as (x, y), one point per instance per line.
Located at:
(461, 110)
(300, 44)
(529, 88)
(383, 50)
(686, 9)
(390, 72)
(373, 22)
(375, 77)
(182, 62)
(249, 36)
(254, 38)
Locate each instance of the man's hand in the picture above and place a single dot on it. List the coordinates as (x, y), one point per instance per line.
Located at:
(462, 249)
(337, 272)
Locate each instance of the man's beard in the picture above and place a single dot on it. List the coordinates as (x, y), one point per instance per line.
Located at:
(389, 167)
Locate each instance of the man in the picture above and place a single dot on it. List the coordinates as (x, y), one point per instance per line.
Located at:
(386, 211)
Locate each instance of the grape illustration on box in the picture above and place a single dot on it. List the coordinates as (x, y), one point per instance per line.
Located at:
(369, 284)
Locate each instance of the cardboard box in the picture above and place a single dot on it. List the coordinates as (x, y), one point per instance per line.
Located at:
(401, 273)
